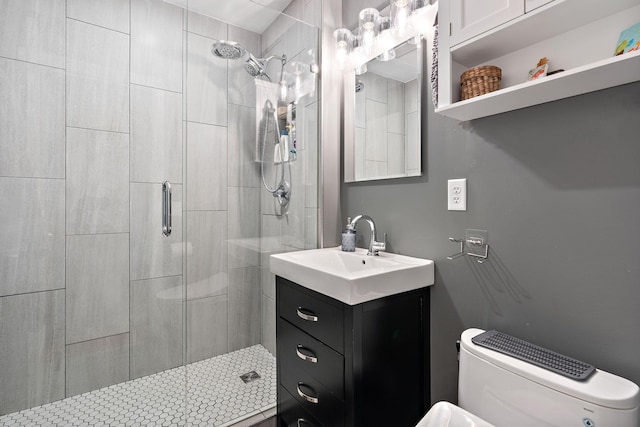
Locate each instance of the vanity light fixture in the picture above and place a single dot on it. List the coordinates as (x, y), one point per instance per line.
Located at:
(416, 7)
(343, 42)
(377, 35)
(418, 4)
(400, 10)
(357, 50)
(387, 55)
(368, 28)
(361, 69)
(417, 39)
(384, 28)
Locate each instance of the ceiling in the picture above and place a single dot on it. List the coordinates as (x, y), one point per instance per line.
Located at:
(252, 15)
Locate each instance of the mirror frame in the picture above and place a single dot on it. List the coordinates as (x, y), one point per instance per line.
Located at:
(349, 111)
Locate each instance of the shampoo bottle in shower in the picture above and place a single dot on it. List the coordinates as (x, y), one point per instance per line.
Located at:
(284, 145)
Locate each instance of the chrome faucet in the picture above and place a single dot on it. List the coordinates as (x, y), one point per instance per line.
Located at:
(374, 245)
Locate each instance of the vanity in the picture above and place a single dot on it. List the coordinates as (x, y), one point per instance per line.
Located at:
(352, 338)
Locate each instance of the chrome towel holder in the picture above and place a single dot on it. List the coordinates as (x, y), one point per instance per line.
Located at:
(474, 244)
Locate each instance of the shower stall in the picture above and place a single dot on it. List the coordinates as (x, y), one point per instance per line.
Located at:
(143, 186)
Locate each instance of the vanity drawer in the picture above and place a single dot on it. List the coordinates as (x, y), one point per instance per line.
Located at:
(316, 314)
(313, 397)
(303, 352)
(291, 413)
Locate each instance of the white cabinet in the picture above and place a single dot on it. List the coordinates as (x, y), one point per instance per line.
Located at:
(578, 36)
(529, 5)
(472, 17)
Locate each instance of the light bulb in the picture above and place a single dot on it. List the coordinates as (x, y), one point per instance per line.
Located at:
(341, 53)
(368, 29)
(416, 5)
(399, 16)
(343, 42)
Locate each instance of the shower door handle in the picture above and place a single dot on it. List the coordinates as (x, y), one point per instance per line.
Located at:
(166, 208)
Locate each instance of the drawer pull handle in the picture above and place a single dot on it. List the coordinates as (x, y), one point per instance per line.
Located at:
(311, 357)
(305, 396)
(305, 314)
(302, 423)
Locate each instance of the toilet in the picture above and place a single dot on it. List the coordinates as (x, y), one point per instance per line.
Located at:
(506, 392)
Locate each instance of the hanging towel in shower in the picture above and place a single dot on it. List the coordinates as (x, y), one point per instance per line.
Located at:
(266, 98)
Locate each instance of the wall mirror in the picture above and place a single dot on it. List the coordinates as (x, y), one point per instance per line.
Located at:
(383, 73)
(382, 131)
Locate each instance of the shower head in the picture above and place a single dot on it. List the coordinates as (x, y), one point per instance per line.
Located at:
(228, 50)
(255, 66)
(359, 86)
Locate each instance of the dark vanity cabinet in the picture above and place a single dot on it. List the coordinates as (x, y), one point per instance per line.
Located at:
(343, 365)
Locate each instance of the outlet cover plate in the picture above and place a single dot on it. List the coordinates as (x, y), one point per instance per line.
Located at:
(457, 194)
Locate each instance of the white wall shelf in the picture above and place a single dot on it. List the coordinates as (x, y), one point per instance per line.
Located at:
(599, 75)
(578, 36)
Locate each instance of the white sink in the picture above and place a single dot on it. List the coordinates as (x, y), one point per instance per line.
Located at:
(445, 414)
(353, 277)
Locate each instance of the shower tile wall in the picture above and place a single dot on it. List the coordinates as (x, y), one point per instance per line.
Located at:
(102, 102)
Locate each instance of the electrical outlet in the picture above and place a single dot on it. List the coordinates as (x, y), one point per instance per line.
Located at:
(457, 194)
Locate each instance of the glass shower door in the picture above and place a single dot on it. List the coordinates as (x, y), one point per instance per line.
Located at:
(232, 224)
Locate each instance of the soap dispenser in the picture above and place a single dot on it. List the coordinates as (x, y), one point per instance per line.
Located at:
(349, 237)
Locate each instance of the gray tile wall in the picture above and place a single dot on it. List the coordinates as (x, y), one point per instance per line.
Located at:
(32, 212)
(97, 286)
(31, 148)
(156, 325)
(97, 363)
(97, 89)
(31, 350)
(95, 118)
(97, 184)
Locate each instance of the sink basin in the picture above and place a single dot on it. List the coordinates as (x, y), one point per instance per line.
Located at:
(353, 277)
(445, 414)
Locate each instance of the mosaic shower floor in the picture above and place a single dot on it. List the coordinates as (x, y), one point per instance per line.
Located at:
(206, 393)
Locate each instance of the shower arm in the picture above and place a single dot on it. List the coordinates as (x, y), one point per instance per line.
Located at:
(283, 60)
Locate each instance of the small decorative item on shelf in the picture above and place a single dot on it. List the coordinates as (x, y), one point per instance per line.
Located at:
(540, 71)
(480, 80)
(629, 40)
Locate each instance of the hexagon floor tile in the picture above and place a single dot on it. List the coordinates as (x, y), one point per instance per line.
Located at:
(207, 393)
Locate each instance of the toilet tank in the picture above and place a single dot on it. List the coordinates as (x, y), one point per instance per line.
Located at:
(508, 392)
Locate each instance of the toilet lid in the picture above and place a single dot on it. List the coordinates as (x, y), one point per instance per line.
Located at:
(602, 388)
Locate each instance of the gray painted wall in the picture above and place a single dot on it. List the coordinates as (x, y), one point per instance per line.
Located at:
(557, 186)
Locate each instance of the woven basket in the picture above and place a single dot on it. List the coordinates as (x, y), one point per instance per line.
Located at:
(480, 80)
